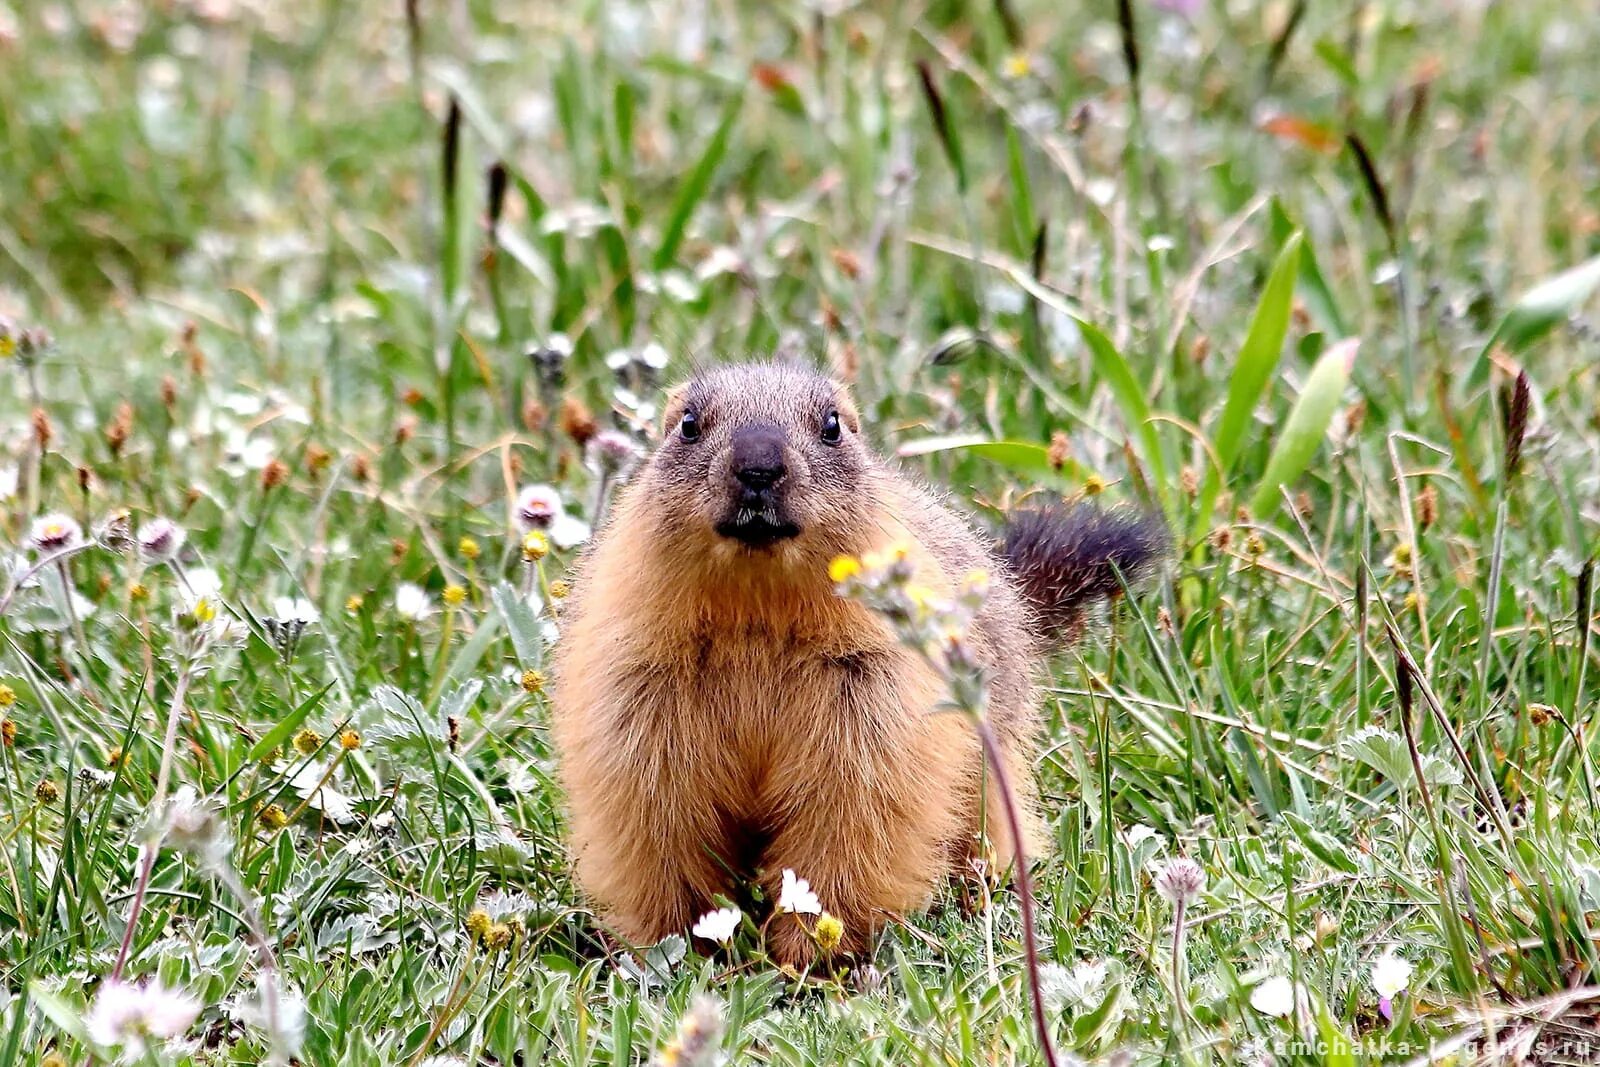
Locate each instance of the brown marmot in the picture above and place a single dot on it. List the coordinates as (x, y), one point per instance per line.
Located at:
(720, 713)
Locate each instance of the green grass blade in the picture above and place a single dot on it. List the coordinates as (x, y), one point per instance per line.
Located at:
(1258, 358)
(1112, 369)
(1537, 312)
(696, 185)
(1307, 424)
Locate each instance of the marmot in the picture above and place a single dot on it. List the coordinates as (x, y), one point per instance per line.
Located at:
(720, 713)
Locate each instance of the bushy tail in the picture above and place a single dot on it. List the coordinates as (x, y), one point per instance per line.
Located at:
(1066, 557)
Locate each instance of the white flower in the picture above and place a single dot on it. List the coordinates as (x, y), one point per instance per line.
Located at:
(1181, 880)
(1274, 997)
(719, 925)
(1391, 974)
(1053, 979)
(412, 602)
(295, 609)
(54, 532)
(279, 1012)
(1079, 986)
(568, 531)
(198, 584)
(159, 540)
(324, 797)
(796, 896)
(124, 1015)
(1138, 834)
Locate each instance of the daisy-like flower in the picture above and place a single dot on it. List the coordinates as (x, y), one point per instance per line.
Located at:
(537, 507)
(411, 601)
(719, 925)
(199, 584)
(1078, 986)
(613, 452)
(279, 1011)
(568, 531)
(1274, 997)
(54, 532)
(190, 823)
(307, 783)
(1391, 974)
(295, 610)
(796, 896)
(1181, 880)
(539, 510)
(159, 540)
(126, 1016)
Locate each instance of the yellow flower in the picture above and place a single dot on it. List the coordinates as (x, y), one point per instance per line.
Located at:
(830, 932)
(1254, 545)
(843, 568)
(1094, 485)
(8, 695)
(453, 596)
(1017, 65)
(349, 740)
(46, 791)
(307, 741)
(53, 1060)
(559, 589)
(138, 591)
(498, 937)
(8, 732)
(114, 757)
(478, 924)
(354, 603)
(468, 548)
(533, 681)
(273, 817)
(204, 610)
(535, 546)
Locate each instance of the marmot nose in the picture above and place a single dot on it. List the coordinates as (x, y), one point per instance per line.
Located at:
(757, 459)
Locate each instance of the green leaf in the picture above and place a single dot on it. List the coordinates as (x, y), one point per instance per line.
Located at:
(1307, 424)
(1538, 311)
(1093, 1029)
(1318, 296)
(1112, 369)
(696, 185)
(1320, 845)
(1023, 457)
(522, 624)
(1258, 358)
(285, 727)
(68, 1019)
(1336, 1047)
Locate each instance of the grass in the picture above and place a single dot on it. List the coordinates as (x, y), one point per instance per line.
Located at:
(294, 258)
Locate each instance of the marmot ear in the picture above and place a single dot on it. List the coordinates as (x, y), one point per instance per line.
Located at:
(847, 407)
(672, 410)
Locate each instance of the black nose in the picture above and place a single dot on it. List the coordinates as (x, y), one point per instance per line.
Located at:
(757, 460)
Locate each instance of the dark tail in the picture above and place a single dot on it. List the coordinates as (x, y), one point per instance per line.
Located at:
(1066, 557)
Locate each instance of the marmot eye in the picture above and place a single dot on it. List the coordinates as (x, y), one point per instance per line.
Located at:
(832, 432)
(689, 428)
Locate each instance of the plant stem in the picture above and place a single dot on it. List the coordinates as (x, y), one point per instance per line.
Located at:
(991, 749)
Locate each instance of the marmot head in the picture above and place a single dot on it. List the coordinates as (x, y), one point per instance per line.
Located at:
(764, 462)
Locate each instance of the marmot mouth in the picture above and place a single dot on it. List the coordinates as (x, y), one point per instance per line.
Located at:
(757, 527)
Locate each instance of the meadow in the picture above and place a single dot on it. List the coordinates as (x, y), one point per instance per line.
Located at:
(298, 297)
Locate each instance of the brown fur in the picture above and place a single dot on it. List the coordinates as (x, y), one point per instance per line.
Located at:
(720, 711)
